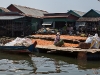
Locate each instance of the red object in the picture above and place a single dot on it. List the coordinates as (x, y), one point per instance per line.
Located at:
(35, 43)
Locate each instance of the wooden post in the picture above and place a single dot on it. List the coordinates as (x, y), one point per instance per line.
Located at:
(82, 56)
(54, 24)
(82, 59)
(12, 29)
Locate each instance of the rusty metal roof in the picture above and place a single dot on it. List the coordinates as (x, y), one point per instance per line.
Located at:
(27, 11)
(89, 19)
(4, 9)
(56, 15)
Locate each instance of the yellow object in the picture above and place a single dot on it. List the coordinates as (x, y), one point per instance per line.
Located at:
(83, 35)
(92, 43)
(95, 42)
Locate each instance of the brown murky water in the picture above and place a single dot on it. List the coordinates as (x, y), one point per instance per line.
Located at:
(14, 64)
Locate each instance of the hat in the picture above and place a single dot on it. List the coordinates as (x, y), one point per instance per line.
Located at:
(58, 33)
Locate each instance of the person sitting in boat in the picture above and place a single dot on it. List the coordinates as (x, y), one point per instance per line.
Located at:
(58, 41)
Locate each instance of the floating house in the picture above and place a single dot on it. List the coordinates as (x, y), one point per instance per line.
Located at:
(20, 20)
(9, 25)
(90, 22)
(61, 21)
(33, 16)
(58, 20)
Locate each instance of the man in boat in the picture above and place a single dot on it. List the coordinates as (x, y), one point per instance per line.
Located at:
(58, 41)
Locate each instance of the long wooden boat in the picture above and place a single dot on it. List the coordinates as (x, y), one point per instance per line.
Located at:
(20, 49)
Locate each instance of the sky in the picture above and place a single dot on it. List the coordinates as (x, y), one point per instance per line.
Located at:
(55, 6)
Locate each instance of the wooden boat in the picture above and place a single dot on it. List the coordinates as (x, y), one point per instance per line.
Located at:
(20, 49)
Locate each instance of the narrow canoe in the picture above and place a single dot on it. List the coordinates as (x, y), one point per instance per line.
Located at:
(31, 48)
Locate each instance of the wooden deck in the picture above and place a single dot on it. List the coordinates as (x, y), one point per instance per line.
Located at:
(80, 54)
(67, 49)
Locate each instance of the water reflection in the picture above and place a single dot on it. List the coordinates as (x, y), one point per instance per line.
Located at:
(47, 64)
(14, 64)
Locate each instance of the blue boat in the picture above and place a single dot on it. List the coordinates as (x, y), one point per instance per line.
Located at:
(20, 49)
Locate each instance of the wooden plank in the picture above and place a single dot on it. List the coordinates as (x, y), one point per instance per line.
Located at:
(52, 47)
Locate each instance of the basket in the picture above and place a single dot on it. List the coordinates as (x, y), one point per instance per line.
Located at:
(83, 45)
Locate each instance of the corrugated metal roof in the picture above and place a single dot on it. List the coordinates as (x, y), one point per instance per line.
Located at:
(4, 9)
(80, 13)
(97, 11)
(89, 19)
(30, 11)
(10, 17)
